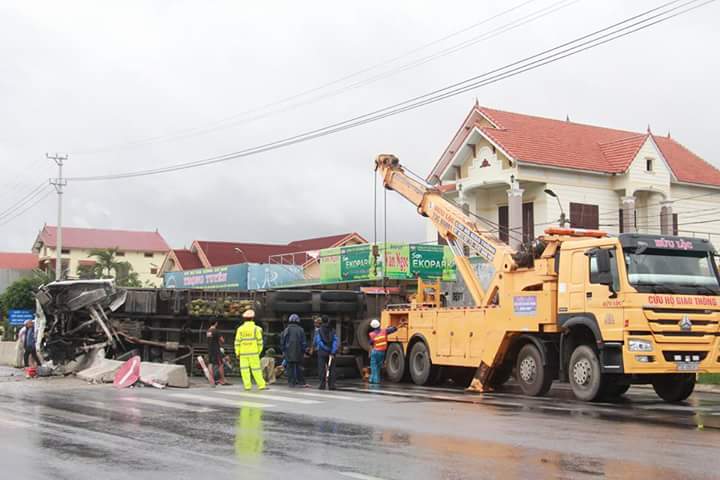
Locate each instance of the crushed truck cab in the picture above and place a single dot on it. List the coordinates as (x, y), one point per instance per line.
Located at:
(597, 311)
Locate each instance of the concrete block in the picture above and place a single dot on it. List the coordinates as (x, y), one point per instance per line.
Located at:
(165, 373)
(168, 374)
(9, 355)
(103, 372)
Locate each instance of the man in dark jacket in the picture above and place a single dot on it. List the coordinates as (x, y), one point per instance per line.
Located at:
(30, 351)
(326, 345)
(294, 346)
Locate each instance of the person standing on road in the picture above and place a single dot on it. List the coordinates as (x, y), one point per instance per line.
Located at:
(248, 346)
(215, 354)
(326, 345)
(294, 346)
(378, 340)
(30, 352)
(316, 322)
(20, 361)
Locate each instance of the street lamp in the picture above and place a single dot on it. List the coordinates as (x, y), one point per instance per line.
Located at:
(563, 219)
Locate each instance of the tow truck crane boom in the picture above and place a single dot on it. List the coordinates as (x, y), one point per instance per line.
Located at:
(464, 236)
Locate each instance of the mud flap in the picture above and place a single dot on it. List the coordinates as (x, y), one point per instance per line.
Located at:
(479, 381)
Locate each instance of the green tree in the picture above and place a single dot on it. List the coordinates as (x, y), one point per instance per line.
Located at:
(21, 293)
(107, 266)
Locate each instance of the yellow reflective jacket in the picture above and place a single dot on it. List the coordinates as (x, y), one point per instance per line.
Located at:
(248, 339)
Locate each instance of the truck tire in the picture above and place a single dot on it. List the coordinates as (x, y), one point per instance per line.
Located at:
(290, 296)
(585, 375)
(347, 297)
(362, 331)
(338, 307)
(422, 371)
(533, 377)
(395, 364)
(291, 307)
(674, 388)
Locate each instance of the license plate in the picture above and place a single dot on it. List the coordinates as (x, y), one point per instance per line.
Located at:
(688, 366)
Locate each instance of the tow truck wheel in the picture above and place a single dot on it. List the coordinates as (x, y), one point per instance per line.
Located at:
(534, 377)
(421, 368)
(674, 388)
(585, 375)
(395, 363)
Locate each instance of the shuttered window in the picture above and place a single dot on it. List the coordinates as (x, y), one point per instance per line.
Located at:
(528, 219)
(676, 231)
(583, 215)
(503, 222)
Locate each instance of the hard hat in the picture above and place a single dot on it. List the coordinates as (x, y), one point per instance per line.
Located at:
(249, 313)
(294, 318)
(374, 323)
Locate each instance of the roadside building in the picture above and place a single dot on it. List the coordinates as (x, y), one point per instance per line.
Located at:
(505, 168)
(209, 254)
(14, 266)
(144, 250)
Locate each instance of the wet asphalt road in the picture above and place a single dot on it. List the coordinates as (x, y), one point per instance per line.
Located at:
(66, 429)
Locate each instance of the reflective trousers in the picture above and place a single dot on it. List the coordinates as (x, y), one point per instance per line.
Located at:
(376, 362)
(250, 365)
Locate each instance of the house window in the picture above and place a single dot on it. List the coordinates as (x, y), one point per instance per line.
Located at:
(528, 223)
(119, 254)
(648, 164)
(676, 230)
(153, 270)
(148, 254)
(583, 215)
(65, 251)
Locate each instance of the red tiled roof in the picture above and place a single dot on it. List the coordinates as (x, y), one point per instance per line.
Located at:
(88, 238)
(188, 259)
(18, 261)
(565, 144)
(226, 253)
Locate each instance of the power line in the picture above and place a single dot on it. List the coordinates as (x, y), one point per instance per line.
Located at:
(532, 62)
(27, 197)
(232, 119)
(10, 217)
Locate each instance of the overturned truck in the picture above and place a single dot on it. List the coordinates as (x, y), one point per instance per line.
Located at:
(169, 325)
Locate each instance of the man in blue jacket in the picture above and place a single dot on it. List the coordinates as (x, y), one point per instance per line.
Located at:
(326, 345)
(294, 346)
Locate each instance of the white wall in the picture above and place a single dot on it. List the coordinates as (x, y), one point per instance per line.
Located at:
(704, 207)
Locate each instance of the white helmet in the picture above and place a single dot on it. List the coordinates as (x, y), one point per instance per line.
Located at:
(374, 323)
(249, 313)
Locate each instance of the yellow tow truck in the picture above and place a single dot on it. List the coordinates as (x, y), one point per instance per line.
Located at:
(598, 311)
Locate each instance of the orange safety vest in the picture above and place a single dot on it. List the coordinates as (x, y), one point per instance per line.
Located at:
(379, 340)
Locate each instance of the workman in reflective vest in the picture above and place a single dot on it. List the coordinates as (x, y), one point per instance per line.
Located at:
(379, 342)
(248, 346)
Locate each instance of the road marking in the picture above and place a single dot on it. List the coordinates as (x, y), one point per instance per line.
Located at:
(221, 401)
(332, 396)
(109, 407)
(269, 396)
(359, 476)
(163, 403)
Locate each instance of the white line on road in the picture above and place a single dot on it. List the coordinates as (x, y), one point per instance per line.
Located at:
(163, 403)
(269, 396)
(332, 396)
(221, 401)
(359, 476)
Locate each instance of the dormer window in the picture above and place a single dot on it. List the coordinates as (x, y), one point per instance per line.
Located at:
(649, 164)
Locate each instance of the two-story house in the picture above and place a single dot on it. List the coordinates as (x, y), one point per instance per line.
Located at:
(145, 251)
(519, 174)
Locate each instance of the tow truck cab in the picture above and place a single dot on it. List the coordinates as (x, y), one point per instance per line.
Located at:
(637, 309)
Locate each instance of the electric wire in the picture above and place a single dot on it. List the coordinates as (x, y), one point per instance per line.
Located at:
(23, 200)
(232, 119)
(8, 219)
(576, 46)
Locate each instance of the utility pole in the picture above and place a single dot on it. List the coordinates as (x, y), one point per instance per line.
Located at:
(58, 183)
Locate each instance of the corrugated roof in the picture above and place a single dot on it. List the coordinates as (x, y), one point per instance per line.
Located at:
(18, 261)
(565, 144)
(89, 238)
(188, 259)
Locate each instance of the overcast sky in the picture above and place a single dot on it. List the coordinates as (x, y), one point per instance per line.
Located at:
(97, 80)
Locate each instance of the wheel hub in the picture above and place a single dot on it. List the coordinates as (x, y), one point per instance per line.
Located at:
(528, 370)
(582, 372)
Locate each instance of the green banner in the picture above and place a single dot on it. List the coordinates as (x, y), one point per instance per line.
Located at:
(403, 262)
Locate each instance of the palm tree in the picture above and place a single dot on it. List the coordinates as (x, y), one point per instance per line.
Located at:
(107, 266)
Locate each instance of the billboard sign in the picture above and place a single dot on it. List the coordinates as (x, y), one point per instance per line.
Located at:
(18, 316)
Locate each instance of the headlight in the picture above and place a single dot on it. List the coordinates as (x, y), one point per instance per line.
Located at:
(637, 345)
